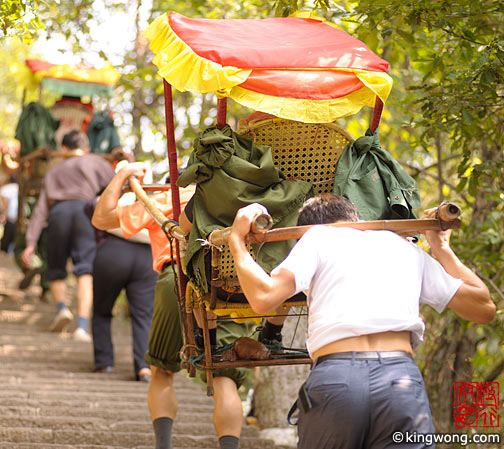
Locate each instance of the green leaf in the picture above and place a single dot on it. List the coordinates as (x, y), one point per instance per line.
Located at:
(482, 60)
(408, 37)
(487, 77)
(462, 184)
(468, 118)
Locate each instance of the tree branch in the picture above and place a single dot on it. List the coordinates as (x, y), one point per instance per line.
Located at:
(460, 36)
(453, 156)
(423, 170)
(492, 283)
(495, 372)
(439, 150)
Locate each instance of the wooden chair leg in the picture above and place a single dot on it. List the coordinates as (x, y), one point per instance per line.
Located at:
(208, 353)
(190, 341)
(210, 389)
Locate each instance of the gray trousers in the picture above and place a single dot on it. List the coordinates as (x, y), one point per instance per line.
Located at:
(359, 404)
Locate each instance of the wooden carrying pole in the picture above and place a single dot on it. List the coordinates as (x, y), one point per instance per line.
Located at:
(154, 212)
(447, 219)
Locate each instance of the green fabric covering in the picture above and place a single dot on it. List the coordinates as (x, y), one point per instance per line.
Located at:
(36, 128)
(76, 88)
(374, 181)
(232, 172)
(102, 134)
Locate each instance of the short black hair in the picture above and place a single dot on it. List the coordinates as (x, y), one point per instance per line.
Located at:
(327, 208)
(75, 139)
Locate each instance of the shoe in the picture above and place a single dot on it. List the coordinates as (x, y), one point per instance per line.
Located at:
(46, 297)
(61, 321)
(200, 342)
(81, 335)
(276, 340)
(28, 278)
(270, 341)
(144, 377)
(105, 370)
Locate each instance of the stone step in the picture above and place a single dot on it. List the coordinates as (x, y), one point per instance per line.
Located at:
(65, 377)
(11, 401)
(142, 424)
(50, 376)
(93, 386)
(65, 357)
(71, 366)
(51, 399)
(112, 438)
(57, 446)
(82, 397)
(26, 317)
(80, 446)
(123, 374)
(200, 414)
(45, 340)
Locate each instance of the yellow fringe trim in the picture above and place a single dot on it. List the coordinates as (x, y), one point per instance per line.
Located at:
(182, 67)
(105, 75)
(186, 71)
(302, 110)
(312, 15)
(378, 82)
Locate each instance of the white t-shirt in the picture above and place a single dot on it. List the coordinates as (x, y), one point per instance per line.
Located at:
(364, 282)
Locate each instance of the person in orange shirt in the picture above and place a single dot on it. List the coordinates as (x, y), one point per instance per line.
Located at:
(165, 338)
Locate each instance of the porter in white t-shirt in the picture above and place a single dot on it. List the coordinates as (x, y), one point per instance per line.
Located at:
(340, 269)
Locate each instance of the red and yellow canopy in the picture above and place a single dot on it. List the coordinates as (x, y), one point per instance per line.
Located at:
(74, 80)
(300, 67)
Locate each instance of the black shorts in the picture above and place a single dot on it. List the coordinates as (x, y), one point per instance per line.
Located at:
(69, 234)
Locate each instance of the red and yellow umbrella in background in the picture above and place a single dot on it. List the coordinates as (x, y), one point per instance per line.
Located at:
(299, 67)
(74, 80)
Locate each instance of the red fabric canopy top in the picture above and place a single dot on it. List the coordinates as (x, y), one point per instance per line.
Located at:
(299, 67)
(275, 43)
(37, 65)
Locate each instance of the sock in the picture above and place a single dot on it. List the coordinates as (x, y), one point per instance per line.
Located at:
(229, 442)
(61, 305)
(83, 323)
(162, 430)
(272, 331)
(199, 337)
(213, 336)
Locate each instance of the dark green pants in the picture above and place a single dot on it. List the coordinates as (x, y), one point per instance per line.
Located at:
(166, 339)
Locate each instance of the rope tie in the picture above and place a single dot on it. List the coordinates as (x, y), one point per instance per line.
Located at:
(168, 232)
(206, 242)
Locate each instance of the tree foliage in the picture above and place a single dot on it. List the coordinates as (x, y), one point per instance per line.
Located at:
(444, 121)
(19, 18)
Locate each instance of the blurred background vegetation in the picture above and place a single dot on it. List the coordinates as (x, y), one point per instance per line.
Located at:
(444, 121)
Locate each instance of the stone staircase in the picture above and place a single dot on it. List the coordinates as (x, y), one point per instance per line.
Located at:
(50, 398)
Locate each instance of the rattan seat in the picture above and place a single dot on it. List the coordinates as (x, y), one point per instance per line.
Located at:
(308, 151)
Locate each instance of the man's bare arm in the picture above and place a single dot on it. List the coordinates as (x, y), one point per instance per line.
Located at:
(105, 215)
(264, 292)
(472, 300)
